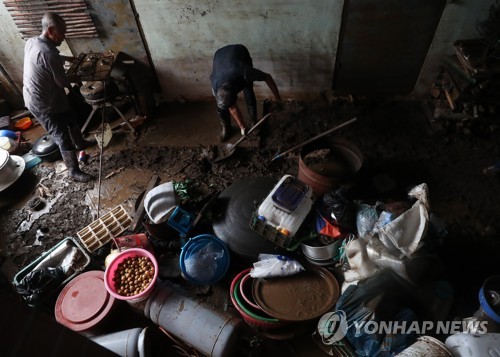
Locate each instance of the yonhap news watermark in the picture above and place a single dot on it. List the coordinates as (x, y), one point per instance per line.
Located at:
(333, 326)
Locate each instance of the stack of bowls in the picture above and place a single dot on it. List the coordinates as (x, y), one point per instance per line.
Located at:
(251, 312)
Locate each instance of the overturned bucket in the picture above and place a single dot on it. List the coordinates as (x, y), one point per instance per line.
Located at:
(326, 165)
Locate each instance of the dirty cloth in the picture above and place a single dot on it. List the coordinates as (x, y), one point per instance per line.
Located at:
(388, 246)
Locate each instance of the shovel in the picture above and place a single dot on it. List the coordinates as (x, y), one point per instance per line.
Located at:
(280, 155)
(229, 149)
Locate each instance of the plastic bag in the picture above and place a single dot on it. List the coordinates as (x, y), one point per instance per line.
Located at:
(335, 207)
(202, 265)
(366, 218)
(270, 266)
(384, 297)
(38, 284)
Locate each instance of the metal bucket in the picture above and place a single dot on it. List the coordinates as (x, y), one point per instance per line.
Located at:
(426, 346)
(338, 167)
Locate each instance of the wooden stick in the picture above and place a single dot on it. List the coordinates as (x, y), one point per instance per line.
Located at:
(48, 2)
(60, 12)
(315, 138)
(38, 15)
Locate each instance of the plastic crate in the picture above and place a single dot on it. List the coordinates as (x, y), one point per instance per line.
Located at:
(102, 230)
(54, 257)
(270, 233)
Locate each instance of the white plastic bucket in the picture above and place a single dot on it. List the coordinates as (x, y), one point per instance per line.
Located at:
(426, 346)
(210, 332)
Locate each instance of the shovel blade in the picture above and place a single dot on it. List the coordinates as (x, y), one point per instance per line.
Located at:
(225, 152)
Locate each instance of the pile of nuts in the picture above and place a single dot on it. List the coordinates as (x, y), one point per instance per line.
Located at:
(133, 275)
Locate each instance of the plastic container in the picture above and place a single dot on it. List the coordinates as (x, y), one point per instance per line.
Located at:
(109, 274)
(209, 331)
(426, 346)
(54, 258)
(181, 220)
(8, 133)
(466, 344)
(344, 162)
(289, 194)
(84, 305)
(270, 233)
(128, 343)
(8, 144)
(282, 220)
(23, 123)
(204, 260)
(254, 317)
(489, 298)
(246, 291)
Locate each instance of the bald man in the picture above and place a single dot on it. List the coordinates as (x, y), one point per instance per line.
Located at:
(44, 83)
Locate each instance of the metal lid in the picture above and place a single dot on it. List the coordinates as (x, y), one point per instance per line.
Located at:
(235, 206)
(44, 145)
(84, 302)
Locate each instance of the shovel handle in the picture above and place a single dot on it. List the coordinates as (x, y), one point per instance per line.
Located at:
(314, 138)
(252, 129)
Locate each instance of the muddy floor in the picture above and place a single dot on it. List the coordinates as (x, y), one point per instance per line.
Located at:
(401, 147)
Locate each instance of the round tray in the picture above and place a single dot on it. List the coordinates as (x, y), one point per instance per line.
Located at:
(300, 297)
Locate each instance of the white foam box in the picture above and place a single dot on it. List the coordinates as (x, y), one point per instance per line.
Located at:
(280, 219)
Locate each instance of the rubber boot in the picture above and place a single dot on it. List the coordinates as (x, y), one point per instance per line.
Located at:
(69, 158)
(78, 140)
(226, 128)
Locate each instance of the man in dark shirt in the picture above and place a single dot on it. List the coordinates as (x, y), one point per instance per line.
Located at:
(232, 73)
(44, 83)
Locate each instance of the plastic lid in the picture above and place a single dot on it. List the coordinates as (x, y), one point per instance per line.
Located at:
(209, 259)
(84, 302)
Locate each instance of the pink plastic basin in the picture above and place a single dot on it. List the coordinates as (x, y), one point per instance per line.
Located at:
(110, 273)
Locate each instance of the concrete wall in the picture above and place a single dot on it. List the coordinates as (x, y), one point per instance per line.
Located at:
(295, 41)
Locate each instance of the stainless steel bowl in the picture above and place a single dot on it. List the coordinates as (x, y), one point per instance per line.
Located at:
(315, 251)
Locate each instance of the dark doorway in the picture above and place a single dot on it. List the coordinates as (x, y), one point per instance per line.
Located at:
(383, 44)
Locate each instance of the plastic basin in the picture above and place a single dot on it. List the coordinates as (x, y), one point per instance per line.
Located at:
(253, 317)
(111, 269)
(204, 260)
(23, 124)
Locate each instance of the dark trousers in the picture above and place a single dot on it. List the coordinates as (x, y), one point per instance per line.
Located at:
(58, 125)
